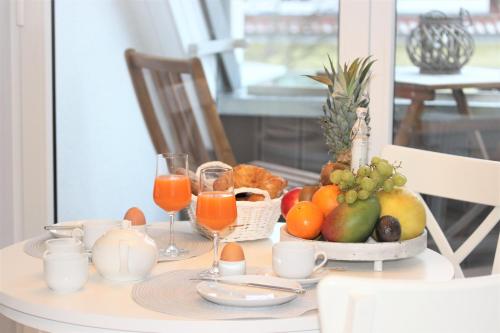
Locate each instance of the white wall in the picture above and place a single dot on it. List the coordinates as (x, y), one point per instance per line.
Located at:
(6, 189)
(105, 160)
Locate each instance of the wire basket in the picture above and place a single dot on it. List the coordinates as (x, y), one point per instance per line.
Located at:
(440, 44)
(256, 219)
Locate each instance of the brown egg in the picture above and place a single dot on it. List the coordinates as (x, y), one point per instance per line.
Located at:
(135, 215)
(232, 252)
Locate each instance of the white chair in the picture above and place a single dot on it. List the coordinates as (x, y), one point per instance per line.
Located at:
(453, 177)
(361, 305)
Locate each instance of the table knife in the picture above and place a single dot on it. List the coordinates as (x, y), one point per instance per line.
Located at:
(61, 227)
(254, 285)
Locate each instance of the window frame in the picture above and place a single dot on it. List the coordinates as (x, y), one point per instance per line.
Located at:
(29, 146)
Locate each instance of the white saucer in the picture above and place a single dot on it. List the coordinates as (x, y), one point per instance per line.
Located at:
(226, 294)
(66, 232)
(313, 279)
(79, 224)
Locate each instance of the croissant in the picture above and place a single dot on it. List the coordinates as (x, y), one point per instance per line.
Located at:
(246, 175)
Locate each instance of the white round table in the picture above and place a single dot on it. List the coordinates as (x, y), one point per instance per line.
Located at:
(104, 306)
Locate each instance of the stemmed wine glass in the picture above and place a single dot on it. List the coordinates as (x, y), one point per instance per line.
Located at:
(172, 192)
(216, 209)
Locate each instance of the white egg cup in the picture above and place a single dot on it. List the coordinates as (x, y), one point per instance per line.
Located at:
(228, 268)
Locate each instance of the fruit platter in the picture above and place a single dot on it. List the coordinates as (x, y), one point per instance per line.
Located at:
(362, 215)
(358, 215)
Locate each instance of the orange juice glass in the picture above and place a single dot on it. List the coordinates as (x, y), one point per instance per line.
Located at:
(172, 192)
(215, 208)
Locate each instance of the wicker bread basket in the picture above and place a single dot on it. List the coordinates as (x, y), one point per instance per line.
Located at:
(255, 219)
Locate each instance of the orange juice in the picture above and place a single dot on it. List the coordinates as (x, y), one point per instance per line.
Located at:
(172, 192)
(216, 210)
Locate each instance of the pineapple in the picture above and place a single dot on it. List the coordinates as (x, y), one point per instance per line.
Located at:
(346, 92)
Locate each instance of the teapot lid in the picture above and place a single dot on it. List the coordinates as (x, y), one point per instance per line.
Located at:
(124, 232)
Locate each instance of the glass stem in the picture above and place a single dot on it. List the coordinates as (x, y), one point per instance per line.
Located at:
(172, 240)
(215, 264)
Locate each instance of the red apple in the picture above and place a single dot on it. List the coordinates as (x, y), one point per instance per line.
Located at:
(289, 199)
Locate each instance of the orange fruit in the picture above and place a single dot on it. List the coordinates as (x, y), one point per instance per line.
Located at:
(304, 220)
(326, 198)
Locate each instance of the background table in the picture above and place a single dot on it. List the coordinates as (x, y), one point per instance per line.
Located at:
(104, 306)
(410, 84)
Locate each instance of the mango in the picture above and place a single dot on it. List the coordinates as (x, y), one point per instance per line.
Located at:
(351, 223)
(407, 208)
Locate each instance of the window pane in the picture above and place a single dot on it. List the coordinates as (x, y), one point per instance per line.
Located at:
(451, 112)
(464, 120)
(287, 39)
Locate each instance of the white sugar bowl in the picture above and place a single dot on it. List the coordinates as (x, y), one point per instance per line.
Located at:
(124, 254)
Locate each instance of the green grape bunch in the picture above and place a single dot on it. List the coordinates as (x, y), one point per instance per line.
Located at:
(379, 175)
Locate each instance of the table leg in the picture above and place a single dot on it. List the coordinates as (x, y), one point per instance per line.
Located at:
(463, 108)
(409, 122)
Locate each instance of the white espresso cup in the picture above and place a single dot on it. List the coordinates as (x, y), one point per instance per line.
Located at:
(64, 245)
(296, 259)
(92, 230)
(65, 272)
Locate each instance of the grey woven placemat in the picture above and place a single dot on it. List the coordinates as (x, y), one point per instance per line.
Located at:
(174, 294)
(191, 241)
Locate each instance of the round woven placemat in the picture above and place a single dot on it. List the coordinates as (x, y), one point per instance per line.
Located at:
(194, 243)
(173, 293)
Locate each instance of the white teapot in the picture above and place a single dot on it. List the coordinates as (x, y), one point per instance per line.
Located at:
(124, 254)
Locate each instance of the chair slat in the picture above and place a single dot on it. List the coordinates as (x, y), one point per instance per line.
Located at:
(449, 176)
(295, 177)
(148, 112)
(222, 148)
(164, 93)
(192, 141)
(160, 65)
(458, 178)
(177, 108)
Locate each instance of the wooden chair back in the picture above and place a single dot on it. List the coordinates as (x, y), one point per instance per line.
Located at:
(168, 107)
(362, 305)
(453, 177)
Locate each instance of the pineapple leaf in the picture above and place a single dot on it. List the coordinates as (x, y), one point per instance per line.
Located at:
(331, 66)
(331, 77)
(353, 68)
(347, 90)
(365, 60)
(365, 71)
(321, 79)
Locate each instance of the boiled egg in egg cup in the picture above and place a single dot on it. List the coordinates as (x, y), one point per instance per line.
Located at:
(136, 218)
(232, 260)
